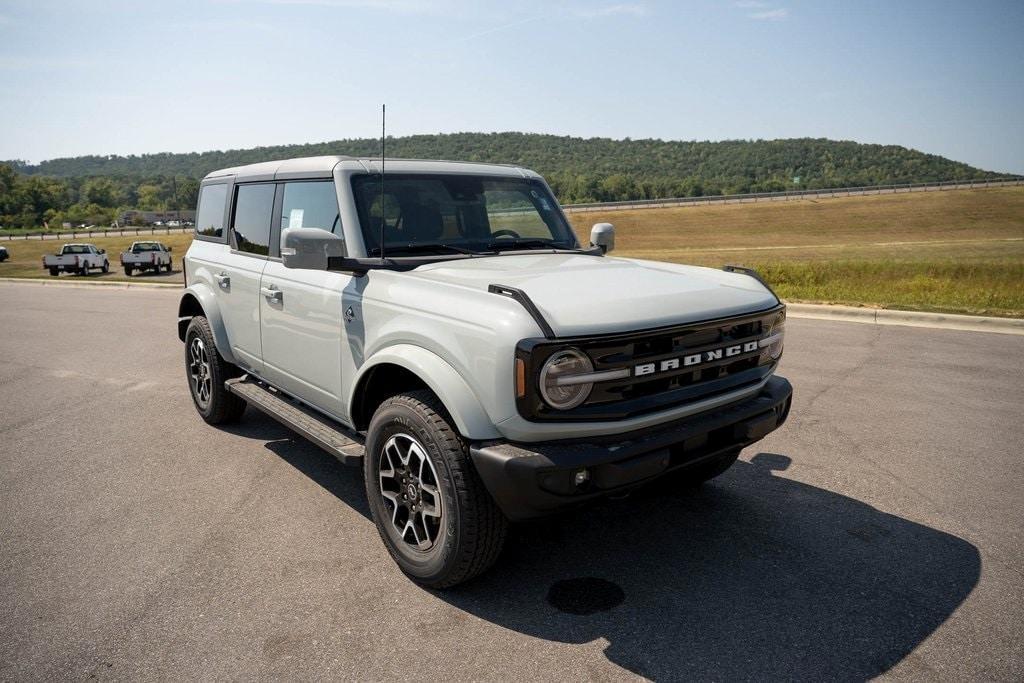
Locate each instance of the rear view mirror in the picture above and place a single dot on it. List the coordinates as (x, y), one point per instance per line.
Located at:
(603, 235)
(310, 248)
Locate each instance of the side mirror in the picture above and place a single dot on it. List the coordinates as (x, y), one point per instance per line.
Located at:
(603, 235)
(170, 249)
(103, 251)
(310, 248)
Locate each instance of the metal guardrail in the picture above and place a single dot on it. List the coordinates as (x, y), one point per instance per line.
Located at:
(790, 195)
(95, 232)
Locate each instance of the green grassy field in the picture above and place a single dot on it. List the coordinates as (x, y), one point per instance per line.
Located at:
(956, 251)
(27, 257)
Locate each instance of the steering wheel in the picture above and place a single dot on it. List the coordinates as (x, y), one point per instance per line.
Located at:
(506, 233)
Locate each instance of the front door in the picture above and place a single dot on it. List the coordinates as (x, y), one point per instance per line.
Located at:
(301, 313)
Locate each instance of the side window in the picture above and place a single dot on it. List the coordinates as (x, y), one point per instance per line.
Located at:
(210, 215)
(311, 205)
(254, 208)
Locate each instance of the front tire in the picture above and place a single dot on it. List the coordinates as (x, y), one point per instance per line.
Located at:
(431, 509)
(106, 266)
(206, 372)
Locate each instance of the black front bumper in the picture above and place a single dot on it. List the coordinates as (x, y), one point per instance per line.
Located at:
(531, 480)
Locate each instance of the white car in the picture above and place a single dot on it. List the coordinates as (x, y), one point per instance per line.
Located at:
(142, 256)
(439, 325)
(77, 258)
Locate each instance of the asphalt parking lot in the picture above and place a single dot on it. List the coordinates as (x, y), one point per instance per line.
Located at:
(880, 532)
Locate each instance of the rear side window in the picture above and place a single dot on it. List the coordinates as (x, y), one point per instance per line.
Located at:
(210, 216)
(254, 208)
(311, 205)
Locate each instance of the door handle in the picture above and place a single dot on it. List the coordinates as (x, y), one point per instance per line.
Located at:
(223, 280)
(273, 294)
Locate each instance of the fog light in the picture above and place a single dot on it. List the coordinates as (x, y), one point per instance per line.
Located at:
(581, 477)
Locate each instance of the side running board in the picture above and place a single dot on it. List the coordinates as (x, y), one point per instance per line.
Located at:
(345, 445)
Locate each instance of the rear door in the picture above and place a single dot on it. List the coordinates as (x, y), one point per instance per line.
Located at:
(239, 271)
(301, 310)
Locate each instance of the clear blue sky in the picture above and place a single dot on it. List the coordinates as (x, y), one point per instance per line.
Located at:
(104, 77)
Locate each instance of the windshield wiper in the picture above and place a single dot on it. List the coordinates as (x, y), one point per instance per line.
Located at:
(419, 247)
(529, 243)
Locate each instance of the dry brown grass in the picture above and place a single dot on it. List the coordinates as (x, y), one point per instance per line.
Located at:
(957, 251)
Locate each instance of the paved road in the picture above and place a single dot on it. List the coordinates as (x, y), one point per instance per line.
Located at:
(880, 532)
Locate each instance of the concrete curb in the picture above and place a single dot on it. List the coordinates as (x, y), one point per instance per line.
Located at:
(109, 284)
(881, 316)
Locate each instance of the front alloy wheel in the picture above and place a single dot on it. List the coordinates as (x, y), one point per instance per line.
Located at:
(409, 486)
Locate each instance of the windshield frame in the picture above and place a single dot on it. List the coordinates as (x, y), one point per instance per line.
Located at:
(479, 246)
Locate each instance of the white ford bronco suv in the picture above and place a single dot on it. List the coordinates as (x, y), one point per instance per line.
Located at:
(439, 325)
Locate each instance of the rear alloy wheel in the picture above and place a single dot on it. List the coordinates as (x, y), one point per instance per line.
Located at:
(206, 372)
(431, 509)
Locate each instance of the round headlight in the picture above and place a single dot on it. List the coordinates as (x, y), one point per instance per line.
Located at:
(557, 385)
(776, 336)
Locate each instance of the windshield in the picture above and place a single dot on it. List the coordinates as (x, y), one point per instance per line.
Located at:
(458, 213)
(145, 246)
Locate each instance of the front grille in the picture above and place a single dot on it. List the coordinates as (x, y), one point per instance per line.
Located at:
(671, 383)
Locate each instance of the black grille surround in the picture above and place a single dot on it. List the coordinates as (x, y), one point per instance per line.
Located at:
(661, 390)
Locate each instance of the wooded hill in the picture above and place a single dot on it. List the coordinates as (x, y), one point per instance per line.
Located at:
(579, 169)
(591, 169)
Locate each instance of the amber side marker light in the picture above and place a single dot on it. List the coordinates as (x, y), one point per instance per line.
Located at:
(520, 378)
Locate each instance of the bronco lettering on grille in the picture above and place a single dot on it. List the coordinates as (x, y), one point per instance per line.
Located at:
(694, 359)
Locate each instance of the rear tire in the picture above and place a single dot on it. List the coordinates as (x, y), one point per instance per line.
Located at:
(206, 372)
(128, 271)
(447, 529)
(54, 272)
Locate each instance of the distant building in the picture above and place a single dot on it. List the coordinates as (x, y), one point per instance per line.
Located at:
(151, 217)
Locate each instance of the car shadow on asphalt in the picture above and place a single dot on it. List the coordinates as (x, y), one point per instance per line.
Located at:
(343, 482)
(751, 576)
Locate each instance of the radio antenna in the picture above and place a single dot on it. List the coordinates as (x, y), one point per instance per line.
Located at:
(383, 215)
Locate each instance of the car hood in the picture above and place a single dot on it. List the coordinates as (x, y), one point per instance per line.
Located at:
(580, 294)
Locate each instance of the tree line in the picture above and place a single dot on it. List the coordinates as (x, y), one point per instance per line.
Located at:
(80, 189)
(37, 201)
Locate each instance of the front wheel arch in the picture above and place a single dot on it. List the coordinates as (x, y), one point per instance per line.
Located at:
(417, 367)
